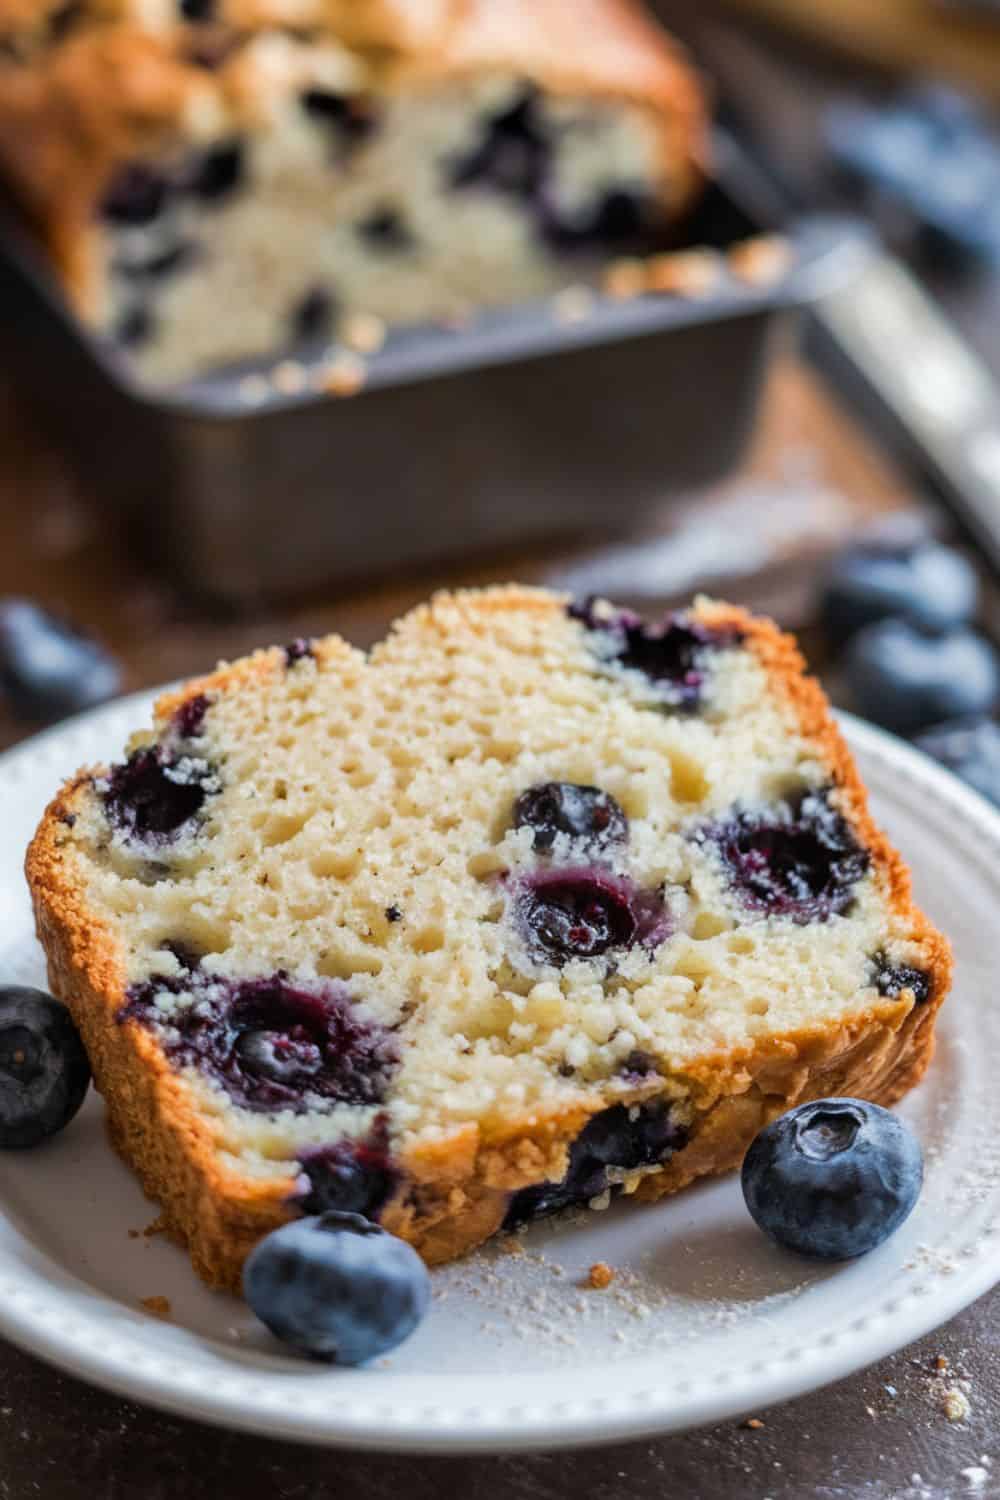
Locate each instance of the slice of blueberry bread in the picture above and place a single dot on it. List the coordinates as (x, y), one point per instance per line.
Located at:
(535, 905)
(217, 182)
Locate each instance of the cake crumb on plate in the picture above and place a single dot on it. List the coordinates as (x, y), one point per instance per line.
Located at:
(159, 1307)
(955, 1404)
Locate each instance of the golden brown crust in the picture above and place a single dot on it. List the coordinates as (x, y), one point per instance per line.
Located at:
(604, 48)
(456, 1192)
(113, 89)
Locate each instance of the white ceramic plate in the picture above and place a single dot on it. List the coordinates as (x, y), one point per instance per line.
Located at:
(705, 1320)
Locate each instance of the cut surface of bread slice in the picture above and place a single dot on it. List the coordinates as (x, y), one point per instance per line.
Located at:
(534, 905)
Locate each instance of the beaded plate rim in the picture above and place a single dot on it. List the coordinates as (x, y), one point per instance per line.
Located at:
(73, 1326)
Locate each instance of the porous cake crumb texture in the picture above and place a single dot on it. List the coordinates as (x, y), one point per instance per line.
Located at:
(528, 898)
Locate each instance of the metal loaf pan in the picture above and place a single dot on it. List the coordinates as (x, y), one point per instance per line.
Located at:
(521, 426)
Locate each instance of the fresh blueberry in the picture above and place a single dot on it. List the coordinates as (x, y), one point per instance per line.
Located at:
(586, 912)
(933, 153)
(623, 1136)
(47, 669)
(44, 1072)
(337, 1287)
(583, 813)
(832, 1179)
(795, 859)
(930, 585)
(971, 749)
(906, 680)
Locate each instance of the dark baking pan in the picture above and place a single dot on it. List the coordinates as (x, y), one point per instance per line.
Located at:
(523, 425)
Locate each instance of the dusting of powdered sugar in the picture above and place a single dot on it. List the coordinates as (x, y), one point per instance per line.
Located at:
(533, 1296)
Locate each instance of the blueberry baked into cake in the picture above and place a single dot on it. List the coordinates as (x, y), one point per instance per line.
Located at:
(222, 179)
(535, 905)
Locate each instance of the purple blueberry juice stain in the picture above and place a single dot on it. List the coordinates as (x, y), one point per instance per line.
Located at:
(796, 859)
(674, 655)
(270, 1044)
(141, 192)
(386, 231)
(517, 155)
(210, 51)
(585, 814)
(619, 217)
(639, 1065)
(623, 1136)
(65, 18)
(152, 797)
(512, 155)
(892, 979)
(586, 912)
(350, 118)
(136, 195)
(177, 257)
(299, 650)
(186, 955)
(216, 173)
(135, 328)
(312, 317)
(189, 720)
(161, 787)
(350, 1176)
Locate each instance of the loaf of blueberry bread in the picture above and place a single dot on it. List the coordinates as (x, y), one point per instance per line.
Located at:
(535, 905)
(219, 180)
